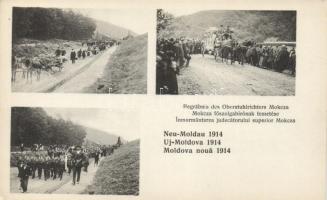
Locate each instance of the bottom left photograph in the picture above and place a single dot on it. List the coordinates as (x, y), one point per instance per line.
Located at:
(74, 151)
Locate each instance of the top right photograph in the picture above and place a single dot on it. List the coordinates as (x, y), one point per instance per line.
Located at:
(226, 52)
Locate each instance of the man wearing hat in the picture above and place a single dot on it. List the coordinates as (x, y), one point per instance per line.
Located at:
(73, 56)
(77, 161)
(24, 175)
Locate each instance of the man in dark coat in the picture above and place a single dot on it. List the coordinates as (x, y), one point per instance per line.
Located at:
(69, 161)
(39, 163)
(79, 53)
(46, 168)
(172, 79)
(73, 56)
(61, 168)
(292, 61)
(83, 54)
(180, 54)
(24, 176)
(96, 158)
(282, 59)
(32, 164)
(78, 161)
(186, 50)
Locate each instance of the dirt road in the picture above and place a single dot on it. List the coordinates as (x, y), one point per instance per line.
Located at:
(206, 76)
(89, 76)
(73, 77)
(54, 186)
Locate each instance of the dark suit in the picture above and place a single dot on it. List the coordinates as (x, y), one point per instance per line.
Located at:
(73, 56)
(78, 161)
(24, 175)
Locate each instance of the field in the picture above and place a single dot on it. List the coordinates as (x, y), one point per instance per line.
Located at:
(126, 71)
(119, 174)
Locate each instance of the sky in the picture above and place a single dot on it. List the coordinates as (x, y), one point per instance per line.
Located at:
(136, 20)
(118, 122)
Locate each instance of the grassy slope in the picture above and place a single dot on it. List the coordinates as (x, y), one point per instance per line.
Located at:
(100, 137)
(126, 70)
(119, 173)
(112, 30)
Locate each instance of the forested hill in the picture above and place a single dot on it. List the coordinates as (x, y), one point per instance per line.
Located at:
(112, 31)
(35, 126)
(100, 137)
(51, 23)
(257, 25)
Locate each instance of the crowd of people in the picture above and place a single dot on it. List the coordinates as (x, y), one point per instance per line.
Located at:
(54, 62)
(50, 163)
(176, 53)
(92, 48)
(172, 55)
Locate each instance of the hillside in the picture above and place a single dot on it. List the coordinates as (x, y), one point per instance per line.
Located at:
(100, 137)
(126, 71)
(118, 174)
(50, 23)
(33, 125)
(111, 30)
(257, 25)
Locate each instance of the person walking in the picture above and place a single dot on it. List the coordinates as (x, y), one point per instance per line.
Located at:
(96, 158)
(24, 176)
(78, 160)
(83, 54)
(73, 56)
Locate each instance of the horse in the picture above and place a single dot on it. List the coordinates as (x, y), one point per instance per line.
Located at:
(21, 64)
(239, 54)
(252, 56)
(16, 64)
(36, 66)
(227, 51)
(217, 50)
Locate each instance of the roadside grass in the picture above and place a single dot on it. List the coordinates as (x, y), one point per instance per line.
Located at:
(126, 71)
(118, 174)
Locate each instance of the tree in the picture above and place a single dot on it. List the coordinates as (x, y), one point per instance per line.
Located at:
(34, 125)
(163, 19)
(48, 23)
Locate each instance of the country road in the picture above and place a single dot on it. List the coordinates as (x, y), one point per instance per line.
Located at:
(87, 77)
(55, 186)
(73, 78)
(206, 76)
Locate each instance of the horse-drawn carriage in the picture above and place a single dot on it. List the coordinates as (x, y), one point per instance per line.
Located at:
(248, 51)
(34, 66)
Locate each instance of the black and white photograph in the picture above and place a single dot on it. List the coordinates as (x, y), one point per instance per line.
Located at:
(226, 52)
(79, 50)
(74, 151)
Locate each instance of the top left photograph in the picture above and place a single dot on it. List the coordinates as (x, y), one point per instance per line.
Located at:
(64, 50)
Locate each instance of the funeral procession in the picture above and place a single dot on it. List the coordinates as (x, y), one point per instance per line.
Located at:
(78, 51)
(226, 52)
(64, 151)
